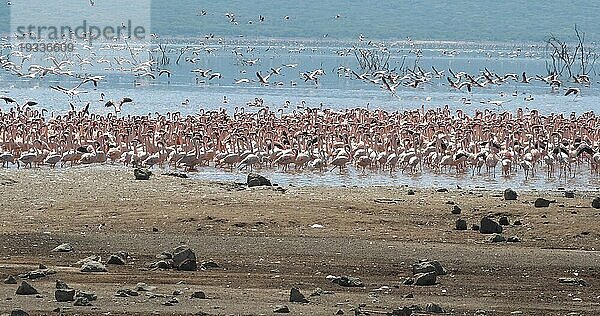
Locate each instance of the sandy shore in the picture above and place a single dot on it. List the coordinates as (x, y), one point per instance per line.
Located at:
(264, 245)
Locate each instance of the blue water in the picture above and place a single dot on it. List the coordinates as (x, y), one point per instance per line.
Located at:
(459, 20)
(503, 36)
(426, 20)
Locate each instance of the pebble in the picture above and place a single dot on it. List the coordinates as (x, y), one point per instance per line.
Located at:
(82, 301)
(93, 266)
(63, 248)
(18, 312)
(199, 295)
(433, 308)
(510, 195)
(461, 224)
(513, 239)
(541, 202)
(456, 209)
(497, 238)
(10, 280)
(281, 309)
(596, 202)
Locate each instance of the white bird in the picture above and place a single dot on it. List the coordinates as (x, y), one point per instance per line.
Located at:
(263, 80)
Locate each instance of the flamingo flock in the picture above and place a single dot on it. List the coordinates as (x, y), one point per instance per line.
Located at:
(414, 141)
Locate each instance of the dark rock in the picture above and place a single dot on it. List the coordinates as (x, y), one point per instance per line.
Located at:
(411, 192)
(442, 190)
(510, 195)
(513, 239)
(340, 312)
(209, 265)
(497, 238)
(82, 301)
(423, 267)
(188, 265)
(425, 278)
(474, 227)
(18, 312)
(408, 281)
(488, 226)
(256, 180)
(317, 292)
(171, 302)
(176, 174)
(26, 289)
(184, 259)
(90, 296)
(42, 267)
(404, 311)
(155, 229)
(63, 248)
(126, 293)
(93, 266)
(456, 209)
(36, 274)
(433, 308)
(199, 295)
(165, 255)
(10, 280)
(426, 266)
(572, 281)
(504, 221)
(281, 309)
(143, 287)
(162, 264)
(142, 174)
(116, 260)
(439, 270)
(569, 194)
(296, 296)
(64, 295)
(541, 202)
(461, 224)
(409, 295)
(517, 223)
(348, 281)
(596, 202)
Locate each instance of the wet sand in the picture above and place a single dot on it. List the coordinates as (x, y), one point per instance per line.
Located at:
(264, 244)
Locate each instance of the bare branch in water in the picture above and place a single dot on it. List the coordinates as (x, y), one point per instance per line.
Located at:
(568, 59)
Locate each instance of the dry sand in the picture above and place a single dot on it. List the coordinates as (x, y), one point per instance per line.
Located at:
(264, 244)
